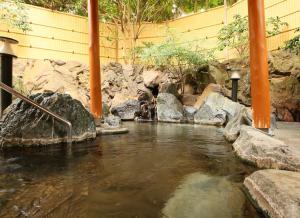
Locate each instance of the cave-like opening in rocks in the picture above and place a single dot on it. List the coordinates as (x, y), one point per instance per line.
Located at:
(155, 91)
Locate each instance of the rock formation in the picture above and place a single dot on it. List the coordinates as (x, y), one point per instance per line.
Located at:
(169, 108)
(276, 192)
(263, 151)
(25, 125)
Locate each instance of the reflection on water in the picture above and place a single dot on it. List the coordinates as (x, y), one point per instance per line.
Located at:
(157, 170)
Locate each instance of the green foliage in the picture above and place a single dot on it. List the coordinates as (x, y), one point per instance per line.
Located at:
(58, 5)
(181, 58)
(14, 14)
(195, 5)
(294, 43)
(275, 25)
(235, 35)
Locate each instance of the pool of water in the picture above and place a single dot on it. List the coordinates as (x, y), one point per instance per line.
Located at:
(157, 170)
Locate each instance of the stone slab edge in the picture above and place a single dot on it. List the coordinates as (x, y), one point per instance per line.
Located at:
(45, 141)
(111, 131)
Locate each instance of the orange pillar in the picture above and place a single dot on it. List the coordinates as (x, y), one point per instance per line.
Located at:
(260, 87)
(94, 59)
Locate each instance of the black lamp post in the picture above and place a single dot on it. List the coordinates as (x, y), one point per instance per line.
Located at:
(6, 64)
(235, 77)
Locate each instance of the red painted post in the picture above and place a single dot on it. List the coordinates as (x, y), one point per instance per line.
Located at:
(94, 59)
(260, 87)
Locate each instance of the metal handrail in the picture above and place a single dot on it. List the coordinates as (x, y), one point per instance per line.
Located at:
(45, 110)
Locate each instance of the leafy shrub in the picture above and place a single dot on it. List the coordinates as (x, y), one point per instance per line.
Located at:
(181, 58)
(235, 35)
(294, 43)
(14, 14)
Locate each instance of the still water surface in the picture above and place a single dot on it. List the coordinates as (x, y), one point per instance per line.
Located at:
(157, 170)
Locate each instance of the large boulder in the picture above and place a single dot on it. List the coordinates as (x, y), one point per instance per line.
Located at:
(263, 151)
(25, 125)
(169, 108)
(210, 116)
(37, 76)
(275, 192)
(233, 127)
(216, 110)
(127, 110)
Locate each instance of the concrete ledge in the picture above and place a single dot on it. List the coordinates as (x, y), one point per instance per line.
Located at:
(275, 192)
(111, 131)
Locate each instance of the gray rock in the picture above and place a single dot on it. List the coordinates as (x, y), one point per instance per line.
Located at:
(113, 121)
(199, 195)
(189, 113)
(216, 110)
(233, 127)
(275, 192)
(169, 108)
(59, 62)
(169, 88)
(258, 148)
(24, 125)
(208, 116)
(127, 110)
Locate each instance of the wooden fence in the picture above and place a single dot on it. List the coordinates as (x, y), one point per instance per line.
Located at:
(57, 35)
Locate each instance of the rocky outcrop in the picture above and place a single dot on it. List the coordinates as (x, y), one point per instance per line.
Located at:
(36, 76)
(167, 87)
(127, 110)
(169, 108)
(121, 83)
(210, 116)
(152, 78)
(189, 113)
(233, 127)
(275, 192)
(25, 125)
(263, 151)
(214, 108)
(284, 71)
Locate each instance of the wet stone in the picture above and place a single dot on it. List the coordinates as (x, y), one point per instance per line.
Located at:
(25, 125)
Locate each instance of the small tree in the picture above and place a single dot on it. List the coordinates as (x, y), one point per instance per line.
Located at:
(294, 43)
(181, 59)
(235, 35)
(14, 14)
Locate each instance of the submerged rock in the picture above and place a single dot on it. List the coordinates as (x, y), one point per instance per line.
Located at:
(25, 125)
(127, 110)
(169, 108)
(275, 192)
(258, 148)
(200, 195)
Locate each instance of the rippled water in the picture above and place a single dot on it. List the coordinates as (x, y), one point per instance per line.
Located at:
(157, 170)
